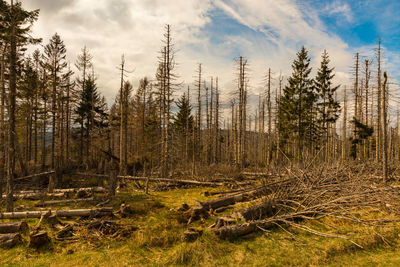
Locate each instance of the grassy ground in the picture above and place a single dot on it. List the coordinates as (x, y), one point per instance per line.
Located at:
(158, 242)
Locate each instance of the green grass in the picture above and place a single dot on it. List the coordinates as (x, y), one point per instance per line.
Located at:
(158, 242)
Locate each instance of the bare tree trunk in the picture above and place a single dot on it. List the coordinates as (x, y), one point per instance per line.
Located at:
(11, 115)
(379, 111)
(344, 126)
(384, 126)
(3, 145)
(269, 118)
(122, 134)
(216, 124)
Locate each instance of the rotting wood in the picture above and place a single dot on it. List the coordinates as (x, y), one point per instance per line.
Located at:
(190, 182)
(35, 175)
(39, 239)
(37, 196)
(10, 240)
(14, 227)
(108, 211)
(66, 201)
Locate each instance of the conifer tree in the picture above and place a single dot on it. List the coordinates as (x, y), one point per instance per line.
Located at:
(183, 121)
(55, 63)
(297, 102)
(328, 109)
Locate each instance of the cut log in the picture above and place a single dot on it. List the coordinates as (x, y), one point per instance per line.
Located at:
(96, 189)
(59, 213)
(231, 231)
(35, 175)
(10, 240)
(166, 180)
(66, 201)
(14, 227)
(39, 239)
(37, 196)
(266, 209)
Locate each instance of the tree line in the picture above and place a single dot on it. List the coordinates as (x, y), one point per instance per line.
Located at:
(53, 116)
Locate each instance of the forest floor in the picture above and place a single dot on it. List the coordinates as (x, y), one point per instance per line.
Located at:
(158, 241)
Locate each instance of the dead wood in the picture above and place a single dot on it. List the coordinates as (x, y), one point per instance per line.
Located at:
(39, 239)
(66, 201)
(10, 240)
(14, 227)
(58, 213)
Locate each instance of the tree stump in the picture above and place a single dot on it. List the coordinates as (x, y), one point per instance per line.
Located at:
(39, 239)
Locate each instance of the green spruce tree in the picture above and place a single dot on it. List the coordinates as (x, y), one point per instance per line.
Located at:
(328, 108)
(297, 104)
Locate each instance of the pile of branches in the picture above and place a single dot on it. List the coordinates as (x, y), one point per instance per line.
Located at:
(339, 192)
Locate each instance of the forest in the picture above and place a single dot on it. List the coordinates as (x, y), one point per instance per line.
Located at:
(170, 173)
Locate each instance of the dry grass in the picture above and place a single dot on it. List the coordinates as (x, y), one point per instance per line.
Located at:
(158, 241)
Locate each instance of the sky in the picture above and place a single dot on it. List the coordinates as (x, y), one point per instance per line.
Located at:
(216, 32)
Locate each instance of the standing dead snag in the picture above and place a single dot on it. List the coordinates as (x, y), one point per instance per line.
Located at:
(384, 126)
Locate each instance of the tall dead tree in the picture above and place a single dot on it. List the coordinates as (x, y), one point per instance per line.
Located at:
(379, 113)
(166, 78)
(216, 125)
(384, 126)
(3, 145)
(242, 86)
(269, 109)
(344, 126)
(123, 129)
(11, 113)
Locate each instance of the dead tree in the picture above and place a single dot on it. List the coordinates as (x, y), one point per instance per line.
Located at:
(11, 115)
(344, 126)
(379, 113)
(384, 126)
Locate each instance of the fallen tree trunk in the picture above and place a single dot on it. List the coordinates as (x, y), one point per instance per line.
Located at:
(37, 196)
(14, 227)
(67, 201)
(266, 209)
(96, 189)
(191, 182)
(10, 240)
(58, 213)
(34, 175)
(231, 231)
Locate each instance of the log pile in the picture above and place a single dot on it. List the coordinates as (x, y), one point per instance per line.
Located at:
(337, 192)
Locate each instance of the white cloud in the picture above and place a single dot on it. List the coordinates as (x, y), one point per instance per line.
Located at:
(135, 27)
(340, 9)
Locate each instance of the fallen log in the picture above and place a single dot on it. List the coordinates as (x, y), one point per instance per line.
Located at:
(34, 175)
(231, 231)
(96, 189)
(266, 209)
(14, 227)
(10, 240)
(232, 199)
(67, 201)
(58, 213)
(190, 182)
(37, 196)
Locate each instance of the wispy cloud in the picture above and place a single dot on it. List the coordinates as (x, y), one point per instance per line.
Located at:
(340, 9)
